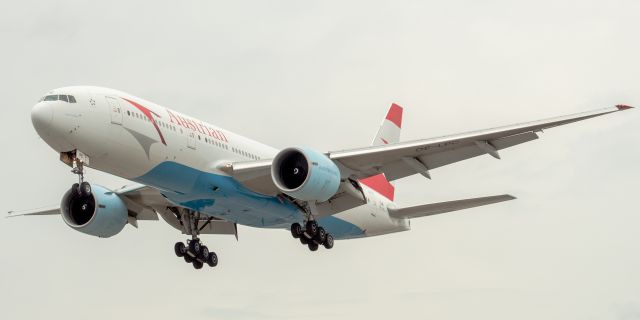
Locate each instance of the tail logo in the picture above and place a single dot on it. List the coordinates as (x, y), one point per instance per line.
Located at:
(380, 184)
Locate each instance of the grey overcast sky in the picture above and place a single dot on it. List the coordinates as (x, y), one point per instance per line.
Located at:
(322, 74)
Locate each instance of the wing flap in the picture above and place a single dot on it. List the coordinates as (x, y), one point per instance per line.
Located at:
(142, 201)
(448, 206)
(220, 227)
(469, 151)
(206, 225)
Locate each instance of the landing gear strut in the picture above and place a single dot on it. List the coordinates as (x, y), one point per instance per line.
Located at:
(312, 235)
(82, 188)
(193, 251)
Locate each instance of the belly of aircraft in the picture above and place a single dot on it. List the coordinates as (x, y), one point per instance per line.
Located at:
(223, 197)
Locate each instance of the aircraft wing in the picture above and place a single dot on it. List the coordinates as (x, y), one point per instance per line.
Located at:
(418, 157)
(146, 203)
(400, 160)
(139, 200)
(44, 211)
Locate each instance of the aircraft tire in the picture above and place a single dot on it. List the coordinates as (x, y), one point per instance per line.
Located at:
(197, 264)
(313, 246)
(321, 234)
(296, 230)
(85, 189)
(212, 260)
(328, 241)
(194, 247)
(312, 227)
(204, 253)
(188, 258)
(75, 189)
(304, 240)
(179, 249)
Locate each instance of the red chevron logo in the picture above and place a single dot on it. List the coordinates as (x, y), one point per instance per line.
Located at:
(149, 114)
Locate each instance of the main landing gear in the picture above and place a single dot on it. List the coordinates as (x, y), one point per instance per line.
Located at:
(196, 253)
(312, 235)
(193, 251)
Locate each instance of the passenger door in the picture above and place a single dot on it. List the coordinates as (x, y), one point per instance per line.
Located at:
(115, 110)
(191, 140)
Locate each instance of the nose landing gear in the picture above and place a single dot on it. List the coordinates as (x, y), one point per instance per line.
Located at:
(82, 188)
(312, 236)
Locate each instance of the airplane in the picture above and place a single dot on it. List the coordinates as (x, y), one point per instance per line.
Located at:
(203, 179)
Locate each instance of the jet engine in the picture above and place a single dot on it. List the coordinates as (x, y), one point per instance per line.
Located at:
(305, 174)
(102, 214)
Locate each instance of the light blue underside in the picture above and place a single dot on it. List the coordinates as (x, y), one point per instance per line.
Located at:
(223, 197)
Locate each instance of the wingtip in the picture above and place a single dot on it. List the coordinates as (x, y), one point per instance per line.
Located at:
(623, 107)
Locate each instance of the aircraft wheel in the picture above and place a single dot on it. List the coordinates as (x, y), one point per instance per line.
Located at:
(328, 241)
(321, 235)
(296, 230)
(197, 264)
(313, 246)
(194, 247)
(204, 253)
(212, 260)
(85, 189)
(179, 249)
(188, 258)
(312, 227)
(304, 240)
(75, 189)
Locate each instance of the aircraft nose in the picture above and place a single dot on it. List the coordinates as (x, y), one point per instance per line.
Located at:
(41, 117)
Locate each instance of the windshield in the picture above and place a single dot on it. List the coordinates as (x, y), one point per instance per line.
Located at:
(59, 97)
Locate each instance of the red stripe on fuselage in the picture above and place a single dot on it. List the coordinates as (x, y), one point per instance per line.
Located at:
(149, 114)
(379, 184)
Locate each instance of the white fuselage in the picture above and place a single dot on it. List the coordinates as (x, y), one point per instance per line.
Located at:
(139, 140)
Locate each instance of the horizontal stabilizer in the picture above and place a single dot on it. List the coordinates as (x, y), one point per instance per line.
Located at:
(444, 207)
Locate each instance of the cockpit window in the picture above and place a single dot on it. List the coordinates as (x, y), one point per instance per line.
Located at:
(57, 97)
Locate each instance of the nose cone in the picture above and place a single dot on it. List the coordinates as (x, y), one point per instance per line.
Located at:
(41, 117)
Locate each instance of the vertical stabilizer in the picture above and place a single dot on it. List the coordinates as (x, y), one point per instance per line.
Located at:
(381, 185)
(389, 131)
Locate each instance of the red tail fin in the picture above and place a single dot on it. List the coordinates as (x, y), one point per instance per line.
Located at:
(395, 115)
(381, 185)
(389, 131)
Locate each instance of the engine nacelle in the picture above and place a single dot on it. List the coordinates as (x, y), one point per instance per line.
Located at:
(103, 214)
(305, 174)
